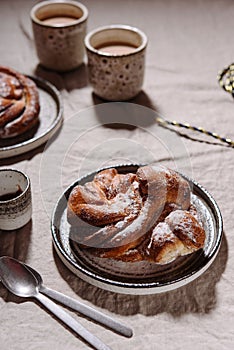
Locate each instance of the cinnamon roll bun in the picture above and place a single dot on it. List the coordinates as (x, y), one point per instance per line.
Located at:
(142, 216)
(19, 103)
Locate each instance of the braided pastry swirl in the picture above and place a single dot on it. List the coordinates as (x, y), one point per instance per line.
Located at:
(19, 103)
(134, 217)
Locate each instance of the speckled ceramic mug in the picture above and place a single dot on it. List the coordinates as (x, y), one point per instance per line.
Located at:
(116, 61)
(59, 28)
(15, 199)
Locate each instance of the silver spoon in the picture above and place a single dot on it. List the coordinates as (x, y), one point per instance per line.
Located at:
(21, 282)
(81, 308)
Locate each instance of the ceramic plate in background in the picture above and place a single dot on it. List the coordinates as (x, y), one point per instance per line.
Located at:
(51, 110)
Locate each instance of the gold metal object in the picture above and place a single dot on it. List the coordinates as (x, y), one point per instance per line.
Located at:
(226, 81)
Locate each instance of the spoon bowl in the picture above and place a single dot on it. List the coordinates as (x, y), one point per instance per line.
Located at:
(36, 275)
(17, 279)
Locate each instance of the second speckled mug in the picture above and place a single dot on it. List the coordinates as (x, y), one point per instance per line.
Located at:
(59, 28)
(116, 60)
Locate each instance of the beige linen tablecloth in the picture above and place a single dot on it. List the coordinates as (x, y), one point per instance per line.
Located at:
(189, 42)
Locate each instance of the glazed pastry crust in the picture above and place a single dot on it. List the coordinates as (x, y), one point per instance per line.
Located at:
(19, 103)
(142, 216)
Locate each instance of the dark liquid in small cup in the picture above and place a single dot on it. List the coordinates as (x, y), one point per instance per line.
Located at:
(11, 195)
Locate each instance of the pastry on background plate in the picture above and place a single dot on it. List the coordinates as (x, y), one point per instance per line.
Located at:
(133, 217)
(19, 103)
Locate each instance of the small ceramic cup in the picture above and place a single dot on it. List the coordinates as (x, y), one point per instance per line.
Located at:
(15, 199)
(116, 60)
(59, 28)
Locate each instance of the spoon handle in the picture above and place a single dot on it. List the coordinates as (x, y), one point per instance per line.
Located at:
(71, 322)
(88, 311)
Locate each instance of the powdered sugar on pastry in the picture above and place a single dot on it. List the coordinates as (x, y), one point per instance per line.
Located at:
(141, 216)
